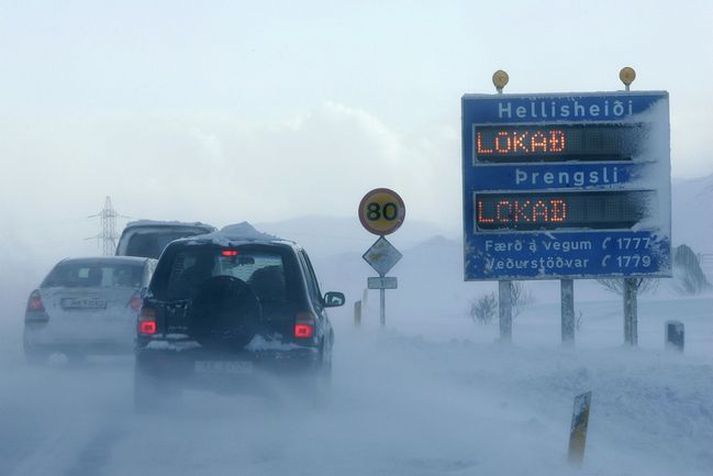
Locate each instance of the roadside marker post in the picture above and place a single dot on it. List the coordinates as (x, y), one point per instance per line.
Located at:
(675, 335)
(382, 212)
(578, 428)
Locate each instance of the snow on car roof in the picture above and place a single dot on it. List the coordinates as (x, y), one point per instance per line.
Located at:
(231, 234)
(107, 259)
(136, 223)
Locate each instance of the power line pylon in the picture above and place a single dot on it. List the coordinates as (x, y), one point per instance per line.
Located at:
(107, 221)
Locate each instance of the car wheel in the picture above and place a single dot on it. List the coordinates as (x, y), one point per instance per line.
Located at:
(33, 355)
(325, 370)
(152, 391)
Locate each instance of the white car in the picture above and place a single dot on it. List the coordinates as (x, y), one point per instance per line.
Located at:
(86, 306)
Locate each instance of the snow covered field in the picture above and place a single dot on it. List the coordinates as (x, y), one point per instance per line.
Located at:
(430, 395)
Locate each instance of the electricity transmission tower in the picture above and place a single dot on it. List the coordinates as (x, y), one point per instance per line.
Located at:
(107, 221)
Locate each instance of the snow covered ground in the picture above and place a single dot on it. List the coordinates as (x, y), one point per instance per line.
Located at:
(429, 395)
(432, 394)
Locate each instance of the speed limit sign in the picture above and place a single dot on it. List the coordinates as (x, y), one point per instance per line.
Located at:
(382, 211)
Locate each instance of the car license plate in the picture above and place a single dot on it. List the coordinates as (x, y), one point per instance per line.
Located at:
(83, 303)
(233, 367)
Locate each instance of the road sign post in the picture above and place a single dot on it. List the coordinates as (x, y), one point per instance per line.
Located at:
(631, 328)
(381, 212)
(566, 186)
(505, 310)
(567, 296)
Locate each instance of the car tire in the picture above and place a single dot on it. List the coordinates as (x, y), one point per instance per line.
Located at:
(152, 391)
(320, 381)
(33, 355)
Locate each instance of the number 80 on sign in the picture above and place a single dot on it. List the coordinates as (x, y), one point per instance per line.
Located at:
(382, 211)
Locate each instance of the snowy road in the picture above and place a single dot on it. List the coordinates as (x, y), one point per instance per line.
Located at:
(400, 405)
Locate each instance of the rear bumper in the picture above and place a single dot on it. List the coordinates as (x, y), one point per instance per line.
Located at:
(43, 339)
(80, 347)
(188, 366)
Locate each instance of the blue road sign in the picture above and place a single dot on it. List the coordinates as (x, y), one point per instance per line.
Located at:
(566, 185)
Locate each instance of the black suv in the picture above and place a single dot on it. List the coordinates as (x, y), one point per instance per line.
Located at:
(225, 311)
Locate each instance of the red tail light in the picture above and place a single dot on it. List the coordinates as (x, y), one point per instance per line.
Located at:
(147, 327)
(147, 321)
(34, 304)
(135, 302)
(230, 252)
(304, 331)
(304, 325)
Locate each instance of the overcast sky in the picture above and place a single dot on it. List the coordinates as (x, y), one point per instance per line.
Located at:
(223, 111)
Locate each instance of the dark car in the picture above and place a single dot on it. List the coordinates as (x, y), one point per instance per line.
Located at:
(148, 238)
(224, 311)
(86, 306)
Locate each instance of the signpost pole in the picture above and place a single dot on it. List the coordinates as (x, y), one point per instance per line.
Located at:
(567, 294)
(631, 332)
(631, 285)
(505, 310)
(500, 79)
(382, 307)
(381, 212)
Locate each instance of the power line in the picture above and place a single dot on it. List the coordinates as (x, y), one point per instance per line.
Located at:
(107, 236)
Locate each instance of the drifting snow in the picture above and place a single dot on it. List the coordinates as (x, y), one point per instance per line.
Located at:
(447, 402)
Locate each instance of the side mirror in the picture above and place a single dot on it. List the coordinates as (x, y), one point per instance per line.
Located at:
(334, 299)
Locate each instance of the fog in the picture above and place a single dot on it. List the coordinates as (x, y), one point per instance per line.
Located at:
(284, 115)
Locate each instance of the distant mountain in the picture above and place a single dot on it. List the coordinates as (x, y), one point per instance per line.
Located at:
(324, 236)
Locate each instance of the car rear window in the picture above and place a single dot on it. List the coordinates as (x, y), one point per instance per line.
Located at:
(263, 270)
(95, 275)
(150, 244)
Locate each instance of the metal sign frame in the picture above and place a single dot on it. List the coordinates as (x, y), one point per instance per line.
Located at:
(643, 250)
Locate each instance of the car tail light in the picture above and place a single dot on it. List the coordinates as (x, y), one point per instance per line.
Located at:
(34, 304)
(135, 302)
(230, 253)
(147, 327)
(304, 325)
(147, 321)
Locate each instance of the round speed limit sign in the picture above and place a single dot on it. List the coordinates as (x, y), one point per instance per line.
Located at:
(382, 211)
